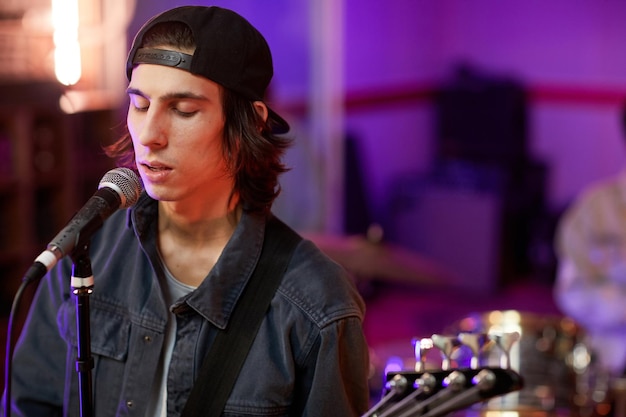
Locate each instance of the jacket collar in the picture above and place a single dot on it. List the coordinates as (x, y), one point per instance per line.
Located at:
(216, 297)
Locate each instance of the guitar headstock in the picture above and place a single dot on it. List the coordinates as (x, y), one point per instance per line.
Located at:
(437, 393)
(432, 393)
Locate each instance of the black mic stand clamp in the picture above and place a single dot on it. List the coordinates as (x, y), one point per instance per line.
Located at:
(82, 286)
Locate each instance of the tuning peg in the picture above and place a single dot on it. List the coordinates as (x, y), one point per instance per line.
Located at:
(426, 383)
(484, 380)
(421, 347)
(505, 341)
(455, 381)
(475, 342)
(446, 345)
(395, 387)
(397, 384)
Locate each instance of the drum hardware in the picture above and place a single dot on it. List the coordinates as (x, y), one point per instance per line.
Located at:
(551, 354)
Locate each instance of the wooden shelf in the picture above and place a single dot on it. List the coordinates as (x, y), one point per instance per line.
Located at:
(51, 164)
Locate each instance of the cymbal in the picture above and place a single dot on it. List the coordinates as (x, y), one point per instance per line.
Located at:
(369, 258)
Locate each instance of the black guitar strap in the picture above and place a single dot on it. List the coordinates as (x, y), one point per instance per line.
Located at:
(225, 358)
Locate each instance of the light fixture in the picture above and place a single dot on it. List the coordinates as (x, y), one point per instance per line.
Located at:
(67, 60)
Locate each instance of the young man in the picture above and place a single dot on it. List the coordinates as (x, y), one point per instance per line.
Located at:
(169, 272)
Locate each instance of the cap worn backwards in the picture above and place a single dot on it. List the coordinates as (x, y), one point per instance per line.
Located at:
(229, 51)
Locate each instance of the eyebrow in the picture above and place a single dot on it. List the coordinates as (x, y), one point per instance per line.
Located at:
(169, 96)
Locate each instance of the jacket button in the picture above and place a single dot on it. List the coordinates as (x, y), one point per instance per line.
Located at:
(147, 339)
(129, 403)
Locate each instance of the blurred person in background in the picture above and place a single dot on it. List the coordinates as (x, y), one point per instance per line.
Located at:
(590, 245)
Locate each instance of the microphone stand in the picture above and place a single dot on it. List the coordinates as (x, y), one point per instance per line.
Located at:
(82, 285)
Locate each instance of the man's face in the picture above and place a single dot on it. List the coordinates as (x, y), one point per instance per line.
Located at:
(176, 122)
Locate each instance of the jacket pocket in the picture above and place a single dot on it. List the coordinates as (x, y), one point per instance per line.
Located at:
(109, 328)
(109, 338)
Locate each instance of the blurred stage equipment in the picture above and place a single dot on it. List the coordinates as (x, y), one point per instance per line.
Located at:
(367, 257)
(504, 363)
(481, 207)
(552, 357)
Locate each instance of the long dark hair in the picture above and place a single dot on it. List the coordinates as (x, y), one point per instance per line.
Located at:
(252, 153)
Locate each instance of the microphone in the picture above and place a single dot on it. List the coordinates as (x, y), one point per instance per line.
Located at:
(118, 188)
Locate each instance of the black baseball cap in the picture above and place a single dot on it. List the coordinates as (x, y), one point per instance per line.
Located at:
(229, 51)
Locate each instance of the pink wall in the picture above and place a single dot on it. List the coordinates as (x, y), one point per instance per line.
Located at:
(573, 46)
(570, 55)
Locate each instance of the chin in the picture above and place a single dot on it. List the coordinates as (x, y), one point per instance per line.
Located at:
(156, 194)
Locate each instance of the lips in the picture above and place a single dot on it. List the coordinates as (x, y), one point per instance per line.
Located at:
(153, 171)
(154, 166)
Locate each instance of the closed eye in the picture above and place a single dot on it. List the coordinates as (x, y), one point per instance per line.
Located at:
(139, 103)
(184, 113)
(183, 104)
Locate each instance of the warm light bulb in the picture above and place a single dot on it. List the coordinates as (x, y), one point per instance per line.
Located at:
(67, 62)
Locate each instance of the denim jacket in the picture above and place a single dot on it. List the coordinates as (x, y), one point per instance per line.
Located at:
(309, 358)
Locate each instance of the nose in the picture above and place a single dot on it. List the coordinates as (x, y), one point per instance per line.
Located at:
(149, 129)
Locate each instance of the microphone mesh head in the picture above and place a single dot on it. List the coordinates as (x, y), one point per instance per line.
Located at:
(125, 182)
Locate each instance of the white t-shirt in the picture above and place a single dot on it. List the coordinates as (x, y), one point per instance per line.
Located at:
(172, 291)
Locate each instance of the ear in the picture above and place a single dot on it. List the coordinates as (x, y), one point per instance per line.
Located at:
(261, 110)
